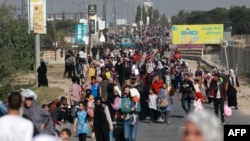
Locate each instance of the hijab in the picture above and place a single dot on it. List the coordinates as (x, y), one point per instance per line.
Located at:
(208, 124)
(100, 116)
(232, 78)
(159, 66)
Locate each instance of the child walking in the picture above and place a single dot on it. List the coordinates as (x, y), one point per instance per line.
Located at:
(152, 98)
(65, 134)
(198, 96)
(80, 124)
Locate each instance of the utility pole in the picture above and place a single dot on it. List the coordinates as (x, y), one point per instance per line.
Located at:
(105, 19)
(141, 18)
(54, 29)
(23, 9)
(87, 17)
(115, 16)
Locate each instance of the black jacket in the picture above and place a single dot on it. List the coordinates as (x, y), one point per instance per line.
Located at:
(186, 87)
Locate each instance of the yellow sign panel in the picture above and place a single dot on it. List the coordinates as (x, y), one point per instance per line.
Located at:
(35, 0)
(197, 34)
(38, 18)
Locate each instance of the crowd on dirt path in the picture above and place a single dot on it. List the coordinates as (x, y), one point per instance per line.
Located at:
(110, 96)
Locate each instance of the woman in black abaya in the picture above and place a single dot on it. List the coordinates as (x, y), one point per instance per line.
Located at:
(42, 78)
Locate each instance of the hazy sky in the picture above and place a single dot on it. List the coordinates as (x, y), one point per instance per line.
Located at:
(173, 6)
(127, 8)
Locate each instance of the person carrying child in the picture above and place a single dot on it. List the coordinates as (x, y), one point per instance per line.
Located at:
(135, 98)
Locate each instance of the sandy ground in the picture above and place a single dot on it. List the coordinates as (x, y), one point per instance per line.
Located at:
(243, 95)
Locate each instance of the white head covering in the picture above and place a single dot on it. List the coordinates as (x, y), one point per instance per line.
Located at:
(232, 78)
(28, 93)
(46, 137)
(102, 63)
(116, 88)
(159, 66)
(208, 123)
(82, 54)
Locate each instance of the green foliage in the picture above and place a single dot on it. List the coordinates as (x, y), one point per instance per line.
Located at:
(138, 14)
(56, 31)
(46, 94)
(154, 16)
(238, 15)
(16, 48)
(111, 46)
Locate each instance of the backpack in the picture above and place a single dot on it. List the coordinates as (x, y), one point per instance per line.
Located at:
(126, 106)
(117, 103)
(80, 67)
(90, 109)
(70, 60)
(162, 101)
(3, 109)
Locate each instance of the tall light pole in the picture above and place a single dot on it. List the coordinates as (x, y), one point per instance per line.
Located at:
(115, 16)
(141, 18)
(105, 20)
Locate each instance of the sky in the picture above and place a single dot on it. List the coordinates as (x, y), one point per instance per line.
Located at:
(171, 7)
(127, 8)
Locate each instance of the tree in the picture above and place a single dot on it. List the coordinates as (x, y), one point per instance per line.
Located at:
(16, 48)
(138, 14)
(163, 19)
(239, 16)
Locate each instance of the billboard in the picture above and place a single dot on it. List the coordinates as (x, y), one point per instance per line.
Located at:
(37, 16)
(81, 34)
(197, 34)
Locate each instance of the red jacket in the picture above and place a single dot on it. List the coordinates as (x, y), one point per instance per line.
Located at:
(157, 86)
(136, 58)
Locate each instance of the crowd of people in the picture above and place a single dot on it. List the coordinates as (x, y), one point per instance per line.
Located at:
(109, 96)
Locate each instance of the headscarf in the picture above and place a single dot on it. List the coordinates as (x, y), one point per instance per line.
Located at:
(232, 82)
(27, 93)
(100, 116)
(116, 88)
(46, 137)
(208, 124)
(159, 66)
(82, 54)
(102, 63)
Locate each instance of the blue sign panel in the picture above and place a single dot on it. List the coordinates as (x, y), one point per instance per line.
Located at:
(81, 32)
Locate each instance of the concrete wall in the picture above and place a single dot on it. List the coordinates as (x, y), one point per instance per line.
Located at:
(237, 57)
(53, 56)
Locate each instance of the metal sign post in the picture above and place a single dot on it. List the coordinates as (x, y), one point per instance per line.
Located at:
(224, 44)
(37, 25)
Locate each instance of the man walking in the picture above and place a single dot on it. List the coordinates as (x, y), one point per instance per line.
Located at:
(94, 51)
(186, 89)
(14, 127)
(220, 96)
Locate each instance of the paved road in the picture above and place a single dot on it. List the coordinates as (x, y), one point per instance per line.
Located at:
(160, 132)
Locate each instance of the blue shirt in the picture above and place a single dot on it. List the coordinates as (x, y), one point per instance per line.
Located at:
(82, 124)
(95, 90)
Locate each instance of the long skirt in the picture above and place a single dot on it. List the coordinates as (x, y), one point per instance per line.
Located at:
(232, 96)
